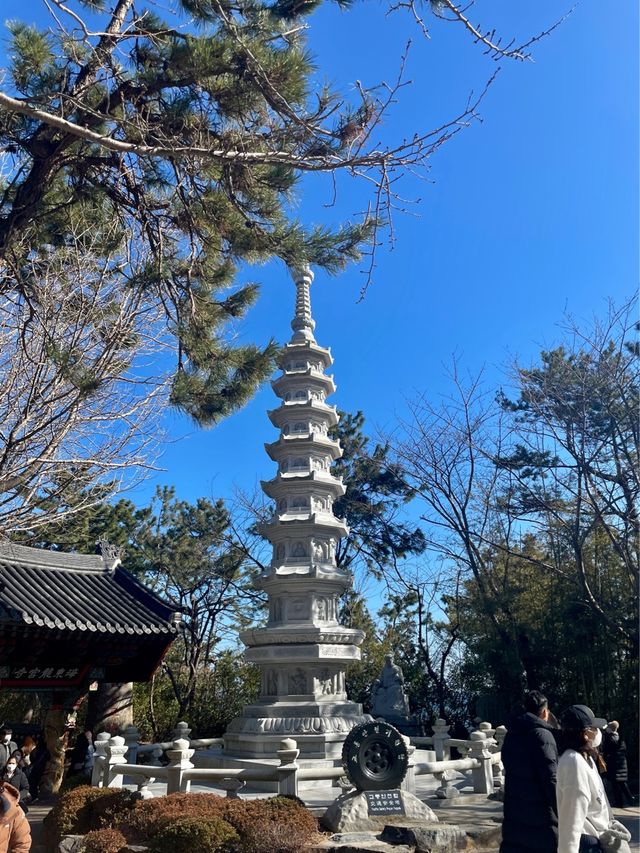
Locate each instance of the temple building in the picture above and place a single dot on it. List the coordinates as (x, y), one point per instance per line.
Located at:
(67, 620)
(303, 651)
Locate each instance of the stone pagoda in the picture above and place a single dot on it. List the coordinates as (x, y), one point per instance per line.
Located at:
(303, 651)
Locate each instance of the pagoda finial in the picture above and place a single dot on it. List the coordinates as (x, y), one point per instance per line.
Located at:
(302, 324)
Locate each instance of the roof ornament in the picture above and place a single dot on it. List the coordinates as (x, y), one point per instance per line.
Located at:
(302, 324)
(111, 554)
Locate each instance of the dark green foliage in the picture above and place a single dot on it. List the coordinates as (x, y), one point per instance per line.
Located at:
(184, 835)
(375, 495)
(227, 81)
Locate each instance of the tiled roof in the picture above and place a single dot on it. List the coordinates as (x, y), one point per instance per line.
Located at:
(74, 592)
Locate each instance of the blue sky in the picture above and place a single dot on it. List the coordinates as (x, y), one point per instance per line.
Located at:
(526, 215)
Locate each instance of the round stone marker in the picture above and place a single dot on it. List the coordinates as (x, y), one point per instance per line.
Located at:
(374, 757)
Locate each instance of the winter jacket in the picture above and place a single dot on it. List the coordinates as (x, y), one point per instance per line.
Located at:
(20, 783)
(530, 758)
(614, 752)
(583, 808)
(15, 832)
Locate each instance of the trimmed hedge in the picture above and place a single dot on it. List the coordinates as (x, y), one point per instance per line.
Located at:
(84, 809)
(188, 834)
(180, 823)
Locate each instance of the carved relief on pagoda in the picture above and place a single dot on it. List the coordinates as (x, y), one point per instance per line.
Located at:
(298, 608)
(297, 681)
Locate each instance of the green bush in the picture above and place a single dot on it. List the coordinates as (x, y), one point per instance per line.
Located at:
(104, 841)
(83, 809)
(206, 835)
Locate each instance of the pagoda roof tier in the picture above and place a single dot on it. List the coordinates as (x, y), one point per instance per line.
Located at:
(303, 379)
(293, 484)
(304, 349)
(304, 408)
(303, 653)
(315, 524)
(302, 634)
(296, 576)
(303, 443)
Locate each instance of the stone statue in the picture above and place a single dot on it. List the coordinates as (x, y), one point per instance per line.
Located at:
(388, 698)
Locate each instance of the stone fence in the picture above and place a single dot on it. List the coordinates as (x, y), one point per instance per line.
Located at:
(120, 756)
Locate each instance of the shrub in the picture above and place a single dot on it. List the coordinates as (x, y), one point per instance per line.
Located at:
(83, 809)
(279, 825)
(149, 817)
(206, 835)
(104, 841)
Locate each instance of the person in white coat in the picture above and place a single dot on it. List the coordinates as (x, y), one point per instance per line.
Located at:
(584, 813)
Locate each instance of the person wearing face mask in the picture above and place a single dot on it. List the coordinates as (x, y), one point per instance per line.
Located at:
(585, 820)
(7, 745)
(13, 774)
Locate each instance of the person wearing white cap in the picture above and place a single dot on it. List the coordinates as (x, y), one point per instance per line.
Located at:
(584, 814)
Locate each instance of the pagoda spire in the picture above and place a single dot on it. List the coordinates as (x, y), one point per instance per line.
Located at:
(303, 324)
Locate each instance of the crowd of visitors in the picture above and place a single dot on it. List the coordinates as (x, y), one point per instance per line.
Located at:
(554, 793)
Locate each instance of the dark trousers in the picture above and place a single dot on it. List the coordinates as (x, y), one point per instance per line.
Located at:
(589, 844)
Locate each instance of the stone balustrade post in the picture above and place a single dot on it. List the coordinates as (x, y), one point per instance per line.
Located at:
(487, 729)
(445, 790)
(482, 775)
(498, 769)
(440, 736)
(232, 786)
(115, 750)
(131, 737)
(179, 761)
(288, 769)
(409, 781)
(182, 731)
(99, 759)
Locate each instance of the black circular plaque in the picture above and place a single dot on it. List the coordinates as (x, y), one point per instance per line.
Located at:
(374, 756)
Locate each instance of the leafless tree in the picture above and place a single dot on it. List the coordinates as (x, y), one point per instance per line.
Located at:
(81, 391)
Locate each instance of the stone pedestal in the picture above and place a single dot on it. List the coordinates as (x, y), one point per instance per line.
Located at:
(302, 651)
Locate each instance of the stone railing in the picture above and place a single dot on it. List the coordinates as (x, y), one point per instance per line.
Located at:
(480, 758)
(112, 764)
(170, 763)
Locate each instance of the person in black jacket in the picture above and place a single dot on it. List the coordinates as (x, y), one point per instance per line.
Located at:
(11, 773)
(614, 752)
(530, 759)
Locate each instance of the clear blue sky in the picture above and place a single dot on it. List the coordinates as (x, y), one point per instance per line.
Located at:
(528, 214)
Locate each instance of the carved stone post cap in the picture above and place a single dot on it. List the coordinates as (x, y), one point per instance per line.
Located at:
(181, 743)
(477, 736)
(116, 740)
(103, 737)
(485, 727)
(501, 730)
(131, 733)
(288, 743)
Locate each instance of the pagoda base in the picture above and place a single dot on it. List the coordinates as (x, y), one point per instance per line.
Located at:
(319, 728)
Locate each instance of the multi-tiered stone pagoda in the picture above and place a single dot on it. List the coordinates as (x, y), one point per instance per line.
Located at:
(303, 651)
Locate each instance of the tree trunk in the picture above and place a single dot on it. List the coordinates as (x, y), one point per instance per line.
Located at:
(110, 708)
(56, 735)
